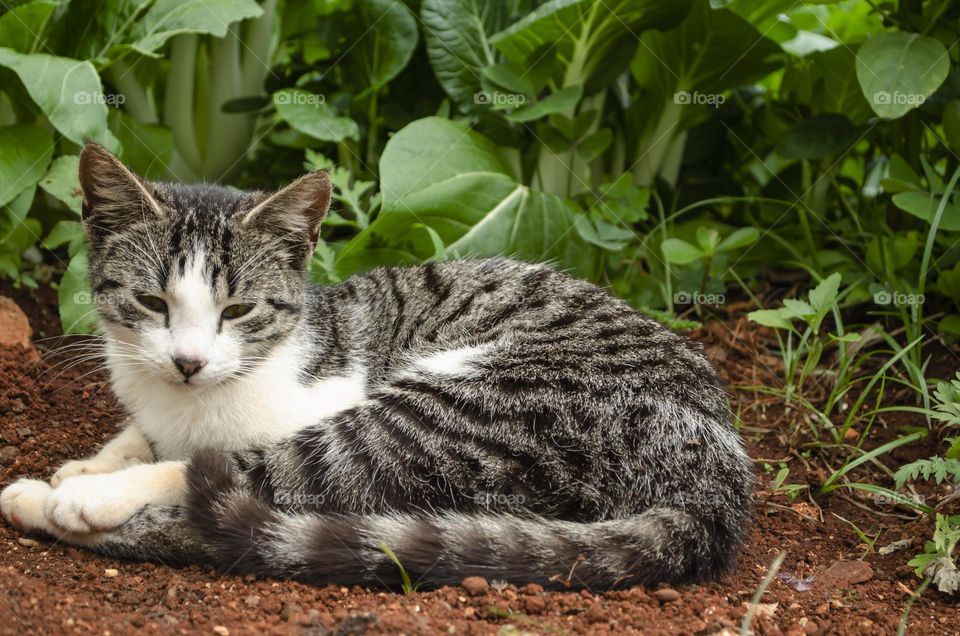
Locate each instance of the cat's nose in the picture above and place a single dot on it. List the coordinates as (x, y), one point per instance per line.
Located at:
(189, 367)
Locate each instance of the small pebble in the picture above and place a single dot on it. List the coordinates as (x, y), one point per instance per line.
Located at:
(475, 585)
(221, 630)
(667, 595)
(110, 573)
(27, 543)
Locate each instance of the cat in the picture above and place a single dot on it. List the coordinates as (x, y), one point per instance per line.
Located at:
(479, 417)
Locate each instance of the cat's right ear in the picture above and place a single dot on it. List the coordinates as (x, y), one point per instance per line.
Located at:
(113, 196)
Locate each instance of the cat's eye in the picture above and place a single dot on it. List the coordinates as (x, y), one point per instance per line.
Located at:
(152, 303)
(236, 311)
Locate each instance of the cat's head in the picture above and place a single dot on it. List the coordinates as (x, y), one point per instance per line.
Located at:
(196, 284)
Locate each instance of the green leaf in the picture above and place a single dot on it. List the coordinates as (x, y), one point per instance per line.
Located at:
(770, 318)
(386, 44)
(25, 153)
(456, 33)
(563, 100)
(680, 252)
(824, 294)
(432, 150)
(739, 238)
(77, 314)
(14, 215)
(440, 174)
(951, 124)
(68, 233)
(595, 40)
(62, 181)
(22, 27)
(147, 148)
(67, 91)
(901, 177)
(308, 113)
(167, 18)
(898, 71)
(923, 205)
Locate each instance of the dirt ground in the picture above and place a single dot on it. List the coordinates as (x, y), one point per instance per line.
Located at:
(829, 583)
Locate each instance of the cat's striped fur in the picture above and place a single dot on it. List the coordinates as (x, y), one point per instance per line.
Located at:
(516, 423)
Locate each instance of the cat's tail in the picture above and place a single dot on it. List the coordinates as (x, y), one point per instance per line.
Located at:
(244, 534)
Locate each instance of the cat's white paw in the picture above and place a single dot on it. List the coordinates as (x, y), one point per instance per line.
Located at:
(92, 466)
(22, 504)
(93, 503)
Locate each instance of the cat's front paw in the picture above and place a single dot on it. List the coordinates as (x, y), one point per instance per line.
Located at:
(93, 503)
(22, 504)
(93, 466)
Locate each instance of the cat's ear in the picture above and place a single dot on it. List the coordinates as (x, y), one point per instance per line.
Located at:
(113, 196)
(295, 212)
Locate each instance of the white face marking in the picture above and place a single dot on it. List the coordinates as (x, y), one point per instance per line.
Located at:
(194, 332)
(452, 361)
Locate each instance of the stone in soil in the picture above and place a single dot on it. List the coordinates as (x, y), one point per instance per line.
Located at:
(475, 585)
(14, 326)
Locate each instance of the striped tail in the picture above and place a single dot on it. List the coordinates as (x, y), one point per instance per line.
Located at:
(245, 535)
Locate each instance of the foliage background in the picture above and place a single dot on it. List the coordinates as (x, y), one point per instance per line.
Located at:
(678, 151)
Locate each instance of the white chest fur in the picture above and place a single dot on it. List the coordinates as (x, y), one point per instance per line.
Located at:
(266, 405)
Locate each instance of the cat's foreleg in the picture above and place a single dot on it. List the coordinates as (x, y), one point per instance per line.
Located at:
(128, 448)
(97, 503)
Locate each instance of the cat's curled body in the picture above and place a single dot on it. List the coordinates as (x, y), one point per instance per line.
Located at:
(481, 417)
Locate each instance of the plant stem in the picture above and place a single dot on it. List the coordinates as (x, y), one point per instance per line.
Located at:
(178, 105)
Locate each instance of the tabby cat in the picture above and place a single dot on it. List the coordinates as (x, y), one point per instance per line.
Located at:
(482, 417)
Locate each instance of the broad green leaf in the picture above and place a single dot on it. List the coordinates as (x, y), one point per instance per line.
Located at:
(739, 238)
(901, 177)
(770, 318)
(680, 252)
(825, 293)
(14, 214)
(385, 45)
(704, 55)
(69, 233)
(457, 34)
(432, 150)
(440, 174)
(923, 205)
(22, 28)
(62, 181)
(67, 91)
(25, 153)
(308, 113)
(708, 238)
(167, 18)
(562, 101)
(594, 40)
(77, 309)
(818, 136)
(898, 71)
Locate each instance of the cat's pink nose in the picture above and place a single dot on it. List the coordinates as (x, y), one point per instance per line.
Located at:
(189, 367)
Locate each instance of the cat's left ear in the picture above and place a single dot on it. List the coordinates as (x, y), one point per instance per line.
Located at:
(295, 212)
